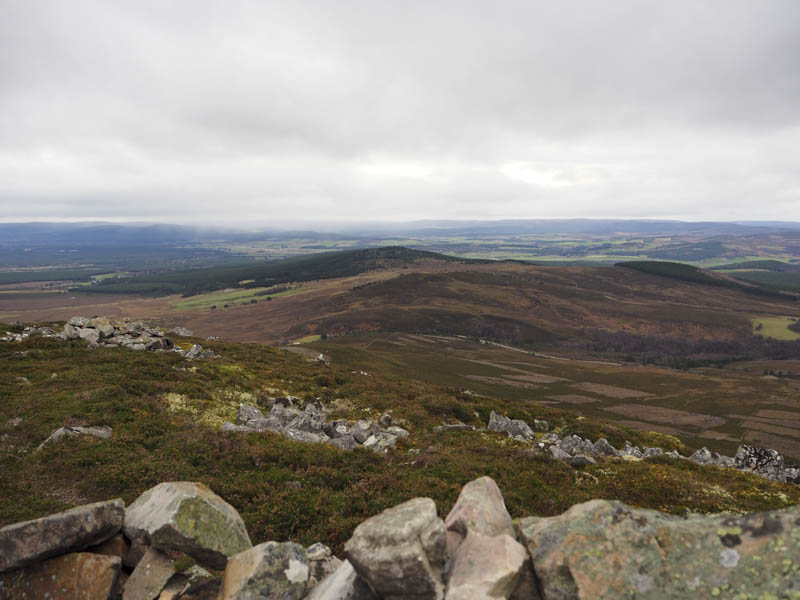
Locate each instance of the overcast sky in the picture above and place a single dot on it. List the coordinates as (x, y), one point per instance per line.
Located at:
(265, 112)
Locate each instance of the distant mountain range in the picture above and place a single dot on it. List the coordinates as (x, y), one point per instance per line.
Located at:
(39, 234)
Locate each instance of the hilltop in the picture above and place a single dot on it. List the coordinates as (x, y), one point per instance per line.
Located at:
(166, 415)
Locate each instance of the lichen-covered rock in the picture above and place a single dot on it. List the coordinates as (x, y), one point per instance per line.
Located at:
(762, 461)
(149, 577)
(480, 509)
(189, 518)
(78, 576)
(269, 571)
(485, 567)
(605, 549)
(75, 529)
(401, 552)
(343, 584)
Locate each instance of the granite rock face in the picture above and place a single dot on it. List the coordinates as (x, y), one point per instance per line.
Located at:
(187, 517)
(75, 529)
(269, 570)
(401, 552)
(486, 567)
(479, 509)
(605, 549)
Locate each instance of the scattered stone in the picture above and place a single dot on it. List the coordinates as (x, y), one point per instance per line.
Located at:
(762, 461)
(580, 460)
(149, 577)
(342, 584)
(398, 431)
(103, 432)
(75, 529)
(513, 427)
(189, 518)
(78, 576)
(541, 425)
(269, 570)
(401, 552)
(558, 453)
(604, 448)
(226, 426)
(344, 443)
(452, 427)
(363, 429)
(574, 445)
(486, 567)
(380, 442)
(321, 563)
(250, 416)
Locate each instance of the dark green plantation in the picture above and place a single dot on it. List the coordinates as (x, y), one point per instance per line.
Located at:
(166, 413)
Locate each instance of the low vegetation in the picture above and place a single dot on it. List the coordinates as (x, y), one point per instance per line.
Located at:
(165, 413)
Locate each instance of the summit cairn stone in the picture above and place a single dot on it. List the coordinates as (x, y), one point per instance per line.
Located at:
(480, 508)
(606, 549)
(401, 552)
(269, 570)
(486, 567)
(486, 559)
(343, 584)
(190, 518)
(75, 529)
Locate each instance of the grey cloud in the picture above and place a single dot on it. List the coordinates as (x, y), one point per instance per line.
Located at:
(203, 110)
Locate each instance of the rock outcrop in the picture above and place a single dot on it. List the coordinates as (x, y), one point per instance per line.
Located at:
(578, 452)
(111, 333)
(309, 425)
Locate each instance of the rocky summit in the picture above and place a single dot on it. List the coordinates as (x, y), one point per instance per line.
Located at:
(158, 547)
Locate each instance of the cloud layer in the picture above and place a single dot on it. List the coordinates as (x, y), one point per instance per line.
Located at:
(249, 112)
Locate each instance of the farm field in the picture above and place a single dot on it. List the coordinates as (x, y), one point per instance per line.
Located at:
(775, 327)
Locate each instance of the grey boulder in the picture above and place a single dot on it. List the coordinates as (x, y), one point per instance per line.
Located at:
(269, 571)
(75, 529)
(190, 518)
(401, 552)
(486, 567)
(480, 509)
